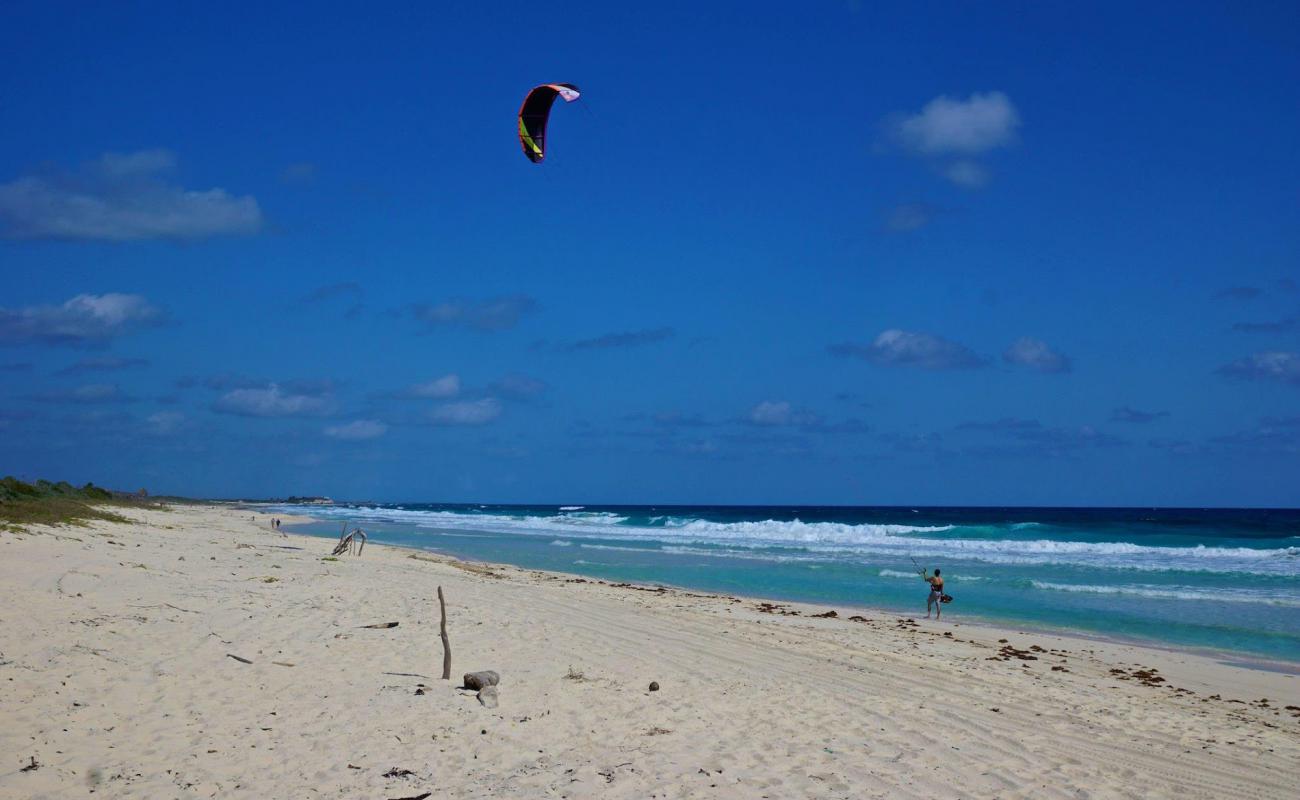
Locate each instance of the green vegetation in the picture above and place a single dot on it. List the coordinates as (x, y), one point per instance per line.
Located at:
(46, 503)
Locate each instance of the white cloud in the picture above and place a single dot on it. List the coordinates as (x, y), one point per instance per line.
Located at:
(493, 314)
(95, 393)
(438, 388)
(300, 173)
(771, 412)
(1136, 416)
(85, 319)
(358, 430)
(165, 422)
(519, 386)
(778, 413)
(349, 290)
(947, 125)
(909, 217)
(950, 132)
(1036, 354)
(1271, 366)
(121, 197)
(966, 174)
(87, 394)
(141, 162)
(623, 339)
(896, 347)
(272, 401)
(466, 412)
(103, 363)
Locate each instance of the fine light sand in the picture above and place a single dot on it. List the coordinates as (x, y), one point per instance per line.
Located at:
(115, 678)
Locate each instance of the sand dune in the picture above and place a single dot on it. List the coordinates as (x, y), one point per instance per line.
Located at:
(117, 677)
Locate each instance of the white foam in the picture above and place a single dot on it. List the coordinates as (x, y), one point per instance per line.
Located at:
(893, 573)
(1154, 591)
(742, 552)
(797, 531)
(612, 547)
(585, 518)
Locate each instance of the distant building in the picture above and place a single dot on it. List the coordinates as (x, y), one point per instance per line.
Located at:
(310, 501)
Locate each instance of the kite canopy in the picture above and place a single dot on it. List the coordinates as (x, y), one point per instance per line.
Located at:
(534, 113)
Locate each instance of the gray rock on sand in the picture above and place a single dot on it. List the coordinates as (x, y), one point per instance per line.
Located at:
(478, 680)
(488, 696)
(654, 686)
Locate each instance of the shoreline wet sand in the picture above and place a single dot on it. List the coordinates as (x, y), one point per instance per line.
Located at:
(196, 653)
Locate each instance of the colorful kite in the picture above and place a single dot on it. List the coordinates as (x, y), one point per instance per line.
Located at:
(535, 112)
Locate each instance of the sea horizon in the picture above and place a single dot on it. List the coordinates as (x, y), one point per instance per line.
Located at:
(328, 501)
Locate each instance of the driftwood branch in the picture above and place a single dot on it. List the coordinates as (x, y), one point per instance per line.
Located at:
(405, 674)
(352, 543)
(162, 605)
(446, 645)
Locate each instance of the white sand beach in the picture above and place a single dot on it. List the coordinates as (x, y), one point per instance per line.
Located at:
(117, 679)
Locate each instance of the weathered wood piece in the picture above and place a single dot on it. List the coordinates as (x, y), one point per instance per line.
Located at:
(446, 645)
(478, 680)
(351, 543)
(240, 659)
(381, 625)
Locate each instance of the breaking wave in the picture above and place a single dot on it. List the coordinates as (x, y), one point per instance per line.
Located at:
(893, 573)
(1222, 595)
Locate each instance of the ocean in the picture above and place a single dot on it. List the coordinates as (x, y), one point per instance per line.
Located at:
(1217, 579)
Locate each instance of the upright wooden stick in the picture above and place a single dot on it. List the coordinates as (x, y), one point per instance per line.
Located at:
(446, 646)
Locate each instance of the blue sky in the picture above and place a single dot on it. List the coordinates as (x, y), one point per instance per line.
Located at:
(928, 253)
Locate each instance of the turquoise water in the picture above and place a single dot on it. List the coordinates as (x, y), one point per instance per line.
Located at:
(1217, 579)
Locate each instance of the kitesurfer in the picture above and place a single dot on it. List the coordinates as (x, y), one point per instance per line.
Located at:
(935, 600)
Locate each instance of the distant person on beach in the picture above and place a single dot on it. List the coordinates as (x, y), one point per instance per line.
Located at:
(935, 600)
